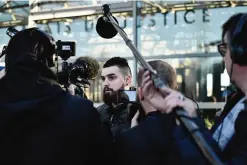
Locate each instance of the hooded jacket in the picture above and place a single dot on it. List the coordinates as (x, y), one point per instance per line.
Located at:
(42, 124)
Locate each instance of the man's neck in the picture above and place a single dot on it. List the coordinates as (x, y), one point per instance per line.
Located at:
(240, 78)
(243, 85)
(148, 108)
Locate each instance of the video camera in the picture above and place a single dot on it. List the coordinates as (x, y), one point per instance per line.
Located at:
(70, 73)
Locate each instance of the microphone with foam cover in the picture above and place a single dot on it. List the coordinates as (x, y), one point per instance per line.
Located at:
(86, 67)
(105, 29)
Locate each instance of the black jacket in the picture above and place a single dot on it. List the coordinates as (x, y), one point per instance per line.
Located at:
(235, 151)
(115, 119)
(149, 143)
(41, 124)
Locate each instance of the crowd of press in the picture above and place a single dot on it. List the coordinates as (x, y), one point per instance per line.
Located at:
(46, 117)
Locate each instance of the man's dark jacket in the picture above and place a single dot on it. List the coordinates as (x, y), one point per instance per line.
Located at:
(149, 143)
(116, 119)
(158, 141)
(41, 124)
(235, 152)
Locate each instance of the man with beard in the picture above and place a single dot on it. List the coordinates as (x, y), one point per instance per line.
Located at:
(115, 75)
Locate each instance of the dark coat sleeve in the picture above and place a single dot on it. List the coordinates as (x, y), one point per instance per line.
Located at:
(101, 141)
(238, 154)
(92, 138)
(148, 143)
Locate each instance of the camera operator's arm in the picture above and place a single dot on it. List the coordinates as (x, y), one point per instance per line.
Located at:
(184, 140)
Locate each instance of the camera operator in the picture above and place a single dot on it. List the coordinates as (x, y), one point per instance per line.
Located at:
(145, 143)
(228, 135)
(40, 122)
(115, 76)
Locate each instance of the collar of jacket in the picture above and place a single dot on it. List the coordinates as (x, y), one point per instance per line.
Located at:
(116, 108)
(27, 65)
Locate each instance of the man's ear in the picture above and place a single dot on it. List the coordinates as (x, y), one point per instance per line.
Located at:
(128, 80)
(140, 93)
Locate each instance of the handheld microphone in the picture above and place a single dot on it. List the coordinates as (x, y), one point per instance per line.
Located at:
(104, 27)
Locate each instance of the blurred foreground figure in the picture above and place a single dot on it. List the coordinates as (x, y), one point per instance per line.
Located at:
(228, 135)
(39, 122)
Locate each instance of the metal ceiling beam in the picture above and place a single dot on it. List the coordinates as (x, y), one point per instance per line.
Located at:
(16, 15)
(13, 7)
(163, 7)
(38, 14)
(149, 7)
(4, 4)
(21, 22)
(79, 11)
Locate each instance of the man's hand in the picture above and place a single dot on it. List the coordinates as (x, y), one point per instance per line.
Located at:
(176, 99)
(149, 91)
(165, 99)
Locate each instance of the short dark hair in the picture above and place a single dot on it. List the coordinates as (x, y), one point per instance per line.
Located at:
(165, 71)
(230, 24)
(122, 63)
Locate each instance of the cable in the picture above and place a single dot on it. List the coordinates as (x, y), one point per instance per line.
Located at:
(194, 102)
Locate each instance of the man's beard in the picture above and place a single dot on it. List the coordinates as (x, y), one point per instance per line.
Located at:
(110, 96)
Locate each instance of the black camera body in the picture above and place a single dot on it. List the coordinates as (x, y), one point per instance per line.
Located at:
(73, 74)
(65, 49)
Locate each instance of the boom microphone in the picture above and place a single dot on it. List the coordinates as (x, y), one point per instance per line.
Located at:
(103, 27)
(189, 124)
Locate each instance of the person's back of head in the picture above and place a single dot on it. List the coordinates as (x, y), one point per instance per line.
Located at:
(34, 112)
(30, 44)
(165, 72)
(29, 55)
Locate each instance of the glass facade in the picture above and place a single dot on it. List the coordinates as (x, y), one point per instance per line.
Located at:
(181, 38)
